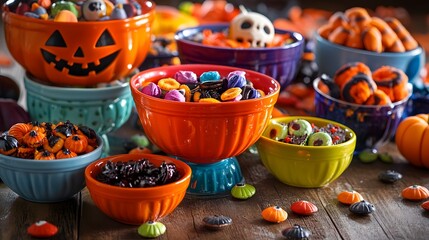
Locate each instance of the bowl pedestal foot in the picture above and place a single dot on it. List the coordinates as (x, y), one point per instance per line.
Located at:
(215, 179)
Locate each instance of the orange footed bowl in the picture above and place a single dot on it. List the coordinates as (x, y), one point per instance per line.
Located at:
(79, 53)
(205, 134)
(136, 206)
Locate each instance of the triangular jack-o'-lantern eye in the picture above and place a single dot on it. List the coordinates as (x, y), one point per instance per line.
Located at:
(56, 40)
(105, 39)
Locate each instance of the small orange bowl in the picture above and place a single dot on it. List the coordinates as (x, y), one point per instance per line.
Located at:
(90, 52)
(137, 205)
(203, 132)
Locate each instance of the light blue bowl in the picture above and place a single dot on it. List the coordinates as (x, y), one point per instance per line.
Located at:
(47, 181)
(102, 109)
(330, 57)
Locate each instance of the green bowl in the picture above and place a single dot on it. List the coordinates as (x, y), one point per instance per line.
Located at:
(306, 166)
(103, 109)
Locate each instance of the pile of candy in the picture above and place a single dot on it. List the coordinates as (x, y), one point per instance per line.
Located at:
(355, 83)
(355, 28)
(74, 11)
(47, 141)
(222, 39)
(137, 174)
(186, 86)
(302, 132)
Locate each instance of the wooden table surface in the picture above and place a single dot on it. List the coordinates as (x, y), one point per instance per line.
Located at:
(394, 218)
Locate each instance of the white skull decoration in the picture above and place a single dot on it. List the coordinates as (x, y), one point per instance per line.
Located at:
(252, 27)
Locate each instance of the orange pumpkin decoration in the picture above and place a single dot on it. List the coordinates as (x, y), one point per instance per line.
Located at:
(18, 130)
(76, 143)
(274, 214)
(53, 144)
(25, 152)
(44, 155)
(412, 139)
(349, 197)
(35, 137)
(415, 193)
(65, 153)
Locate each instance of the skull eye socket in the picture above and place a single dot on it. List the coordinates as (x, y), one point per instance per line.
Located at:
(56, 40)
(246, 25)
(105, 39)
(267, 30)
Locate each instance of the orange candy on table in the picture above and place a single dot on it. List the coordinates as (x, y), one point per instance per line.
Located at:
(274, 214)
(349, 197)
(415, 193)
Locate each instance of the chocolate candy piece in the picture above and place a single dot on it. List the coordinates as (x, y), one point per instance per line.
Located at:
(320, 139)
(296, 232)
(362, 208)
(389, 176)
(217, 221)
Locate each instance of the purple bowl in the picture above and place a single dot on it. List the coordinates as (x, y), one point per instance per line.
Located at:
(280, 63)
(374, 125)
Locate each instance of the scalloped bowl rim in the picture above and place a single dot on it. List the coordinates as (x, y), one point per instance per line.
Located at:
(351, 141)
(339, 101)
(299, 39)
(89, 169)
(135, 84)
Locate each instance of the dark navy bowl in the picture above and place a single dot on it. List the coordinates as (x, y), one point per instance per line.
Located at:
(374, 125)
(419, 102)
(280, 63)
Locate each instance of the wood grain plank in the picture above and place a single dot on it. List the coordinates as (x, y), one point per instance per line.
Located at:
(17, 214)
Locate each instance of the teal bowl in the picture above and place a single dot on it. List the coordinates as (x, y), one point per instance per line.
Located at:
(47, 181)
(103, 109)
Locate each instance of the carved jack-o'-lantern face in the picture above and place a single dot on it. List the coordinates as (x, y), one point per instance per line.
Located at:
(74, 61)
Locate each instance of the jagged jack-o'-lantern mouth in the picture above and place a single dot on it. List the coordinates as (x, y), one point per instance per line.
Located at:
(78, 69)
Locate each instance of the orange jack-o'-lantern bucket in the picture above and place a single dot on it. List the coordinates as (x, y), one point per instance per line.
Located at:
(79, 53)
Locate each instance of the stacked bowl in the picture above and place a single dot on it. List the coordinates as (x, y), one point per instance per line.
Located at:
(85, 79)
(393, 48)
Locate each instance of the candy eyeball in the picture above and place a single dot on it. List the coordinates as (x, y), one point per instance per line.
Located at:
(300, 127)
(320, 139)
(276, 131)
